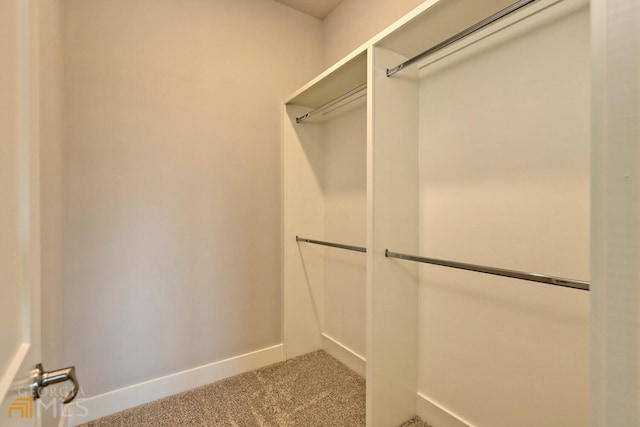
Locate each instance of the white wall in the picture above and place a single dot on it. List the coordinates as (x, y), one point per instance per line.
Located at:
(354, 22)
(345, 190)
(173, 219)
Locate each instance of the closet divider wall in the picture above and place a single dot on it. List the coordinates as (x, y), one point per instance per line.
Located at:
(478, 153)
(393, 220)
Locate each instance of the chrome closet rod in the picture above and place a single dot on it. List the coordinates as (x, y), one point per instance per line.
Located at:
(333, 245)
(532, 277)
(462, 34)
(331, 103)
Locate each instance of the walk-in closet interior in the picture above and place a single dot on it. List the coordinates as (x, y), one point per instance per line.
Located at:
(462, 180)
(348, 212)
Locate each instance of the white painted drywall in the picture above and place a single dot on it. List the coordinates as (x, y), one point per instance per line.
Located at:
(504, 182)
(354, 22)
(173, 193)
(345, 193)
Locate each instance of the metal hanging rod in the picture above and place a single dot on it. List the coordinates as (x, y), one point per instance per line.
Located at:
(331, 103)
(532, 277)
(462, 34)
(333, 245)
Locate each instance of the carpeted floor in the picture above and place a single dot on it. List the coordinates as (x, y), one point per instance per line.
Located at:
(415, 422)
(310, 390)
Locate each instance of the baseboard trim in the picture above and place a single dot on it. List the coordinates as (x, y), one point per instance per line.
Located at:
(437, 415)
(344, 354)
(92, 408)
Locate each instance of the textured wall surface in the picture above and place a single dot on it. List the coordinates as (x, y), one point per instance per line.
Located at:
(173, 194)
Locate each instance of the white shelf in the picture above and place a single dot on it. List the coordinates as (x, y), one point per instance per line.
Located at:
(339, 79)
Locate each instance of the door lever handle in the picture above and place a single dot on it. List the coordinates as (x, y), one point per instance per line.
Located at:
(42, 379)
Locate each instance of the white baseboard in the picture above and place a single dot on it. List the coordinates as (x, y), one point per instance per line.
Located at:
(437, 415)
(92, 408)
(344, 354)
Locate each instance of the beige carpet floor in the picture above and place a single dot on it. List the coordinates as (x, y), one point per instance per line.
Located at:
(314, 390)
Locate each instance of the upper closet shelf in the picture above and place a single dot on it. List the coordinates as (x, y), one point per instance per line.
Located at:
(441, 24)
(350, 97)
(462, 34)
(439, 21)
(337, 81)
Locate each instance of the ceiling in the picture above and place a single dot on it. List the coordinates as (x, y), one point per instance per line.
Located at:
(318, 8)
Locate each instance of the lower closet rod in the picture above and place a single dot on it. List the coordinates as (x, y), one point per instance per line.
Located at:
(334, 245)
(532, 277)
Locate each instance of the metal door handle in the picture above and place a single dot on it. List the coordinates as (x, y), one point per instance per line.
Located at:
(43, 379)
